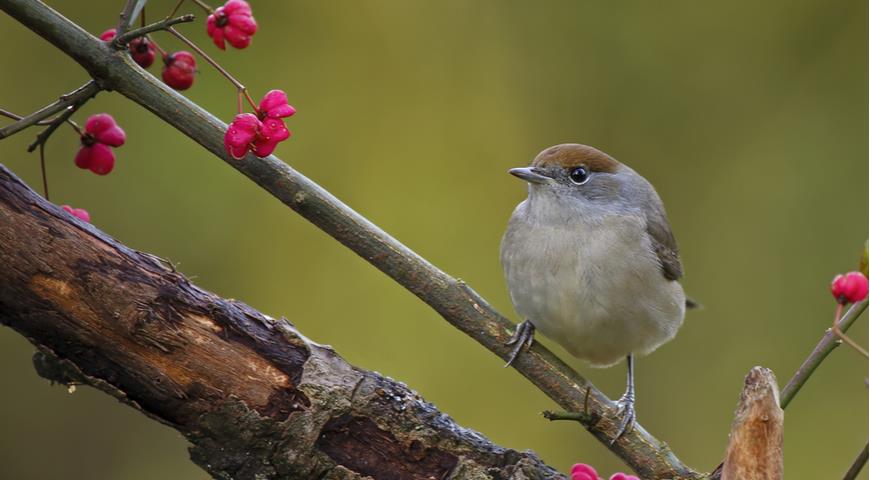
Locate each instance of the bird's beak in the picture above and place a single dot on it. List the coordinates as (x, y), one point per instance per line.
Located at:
(529, 174)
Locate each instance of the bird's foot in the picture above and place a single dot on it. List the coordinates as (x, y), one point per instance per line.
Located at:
(522, 338)
(625, 409)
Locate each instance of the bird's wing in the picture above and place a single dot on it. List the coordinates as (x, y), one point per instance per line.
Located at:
(664, 244)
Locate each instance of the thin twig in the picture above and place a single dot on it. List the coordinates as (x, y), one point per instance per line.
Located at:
(128, 15)
(75, 126)
(204, 6)
(8, 114)
(836, 329)
(177, 6)
(121, 41)
(241, 88)
(857, 465)
(162, 52)
(825, 346)
(87, 90)
(57, 122)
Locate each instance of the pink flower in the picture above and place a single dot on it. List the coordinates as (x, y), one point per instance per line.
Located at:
(274, 105)
(248, 133)
(79, 213)
(623, 476)
(101, 132)
(581, 471)
(849, 288)
(232, 22)
(179, 69)
(141, 49)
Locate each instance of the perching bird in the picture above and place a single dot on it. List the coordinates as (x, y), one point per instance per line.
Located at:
(591, 262)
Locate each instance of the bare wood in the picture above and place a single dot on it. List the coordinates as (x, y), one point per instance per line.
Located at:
(455, 301)
(255, 397)
(755, 446)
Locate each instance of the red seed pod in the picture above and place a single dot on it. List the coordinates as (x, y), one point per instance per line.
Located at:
(849, 288)
(581, 471)
(101, 132)
(79, 213)
(231, 22)
(179, 70)
(143, 51)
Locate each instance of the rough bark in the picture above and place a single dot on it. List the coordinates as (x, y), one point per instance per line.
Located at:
(254, 397)
(455, 301)
(755, 447)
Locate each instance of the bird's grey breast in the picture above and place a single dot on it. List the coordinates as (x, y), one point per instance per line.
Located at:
(586, 280)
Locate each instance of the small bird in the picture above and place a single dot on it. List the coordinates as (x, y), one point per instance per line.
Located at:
(590, 261)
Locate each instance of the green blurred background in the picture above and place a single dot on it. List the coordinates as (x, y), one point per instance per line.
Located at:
(750, 118)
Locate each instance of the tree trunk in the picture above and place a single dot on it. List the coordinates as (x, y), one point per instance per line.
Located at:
(255, 397)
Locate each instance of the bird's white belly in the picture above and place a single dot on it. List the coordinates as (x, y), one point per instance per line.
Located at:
(597, 288)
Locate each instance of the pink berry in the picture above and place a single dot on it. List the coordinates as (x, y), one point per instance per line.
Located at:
(101, 132)
(179, 70)
(97, 158)
(581, 471)
(143, 51)
(271, 133)
(849, 288)
(274, 105)
(247, 133)
(241, 134)
(233, 22)
(104, 129)
(108, 35)
(79, 213)
(623, 476)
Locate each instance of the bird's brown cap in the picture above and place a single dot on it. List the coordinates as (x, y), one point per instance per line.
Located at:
(569, 155)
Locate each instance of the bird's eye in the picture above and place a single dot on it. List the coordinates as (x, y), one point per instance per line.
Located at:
(579, 175)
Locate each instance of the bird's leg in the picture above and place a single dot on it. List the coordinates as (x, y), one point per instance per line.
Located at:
(523, 337)
(625, 404)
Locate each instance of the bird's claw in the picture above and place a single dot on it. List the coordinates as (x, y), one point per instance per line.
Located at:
(522, 338)
(625, 409)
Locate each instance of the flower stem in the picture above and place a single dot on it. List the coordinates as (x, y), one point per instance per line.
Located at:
(836, 329)
(204, 6)
(175, 9)
(163, 53)
(825, 346)
(42, 167)
(75, 126)
(241, 88)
